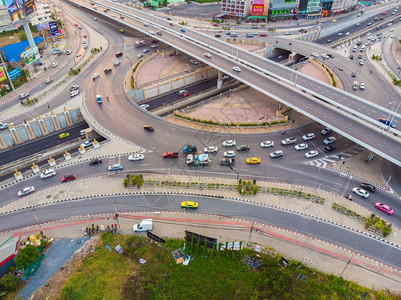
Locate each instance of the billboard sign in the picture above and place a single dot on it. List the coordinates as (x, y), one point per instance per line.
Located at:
(14, 73)
(53, 28)
(3, 75)
(15, 9)
(30, 55)
(29, 7)
(258, 7)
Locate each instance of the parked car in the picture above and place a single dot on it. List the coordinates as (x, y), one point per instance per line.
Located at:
(210, 149)
(311, 153)
(329, 140)
(329, 148)
(87, 143)
(68, 177)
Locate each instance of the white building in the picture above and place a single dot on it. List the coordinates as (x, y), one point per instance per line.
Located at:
(236, 8)
(42, 14)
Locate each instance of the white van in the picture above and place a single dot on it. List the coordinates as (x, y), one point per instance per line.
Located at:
(362, 48)
(144, 225)
(190, 159)
(182, 92)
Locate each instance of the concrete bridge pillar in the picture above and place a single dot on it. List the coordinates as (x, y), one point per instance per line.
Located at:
(292, 55)
(29, 131)
(68, 117)
(42, 126)
(219, 80)
(15, 135)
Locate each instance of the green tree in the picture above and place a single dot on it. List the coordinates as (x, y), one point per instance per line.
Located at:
(25, 74)
(9, 282)
(28, 254)
(22, 36)
(165, 2)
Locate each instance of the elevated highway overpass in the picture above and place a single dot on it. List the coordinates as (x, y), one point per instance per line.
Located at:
(351, 116)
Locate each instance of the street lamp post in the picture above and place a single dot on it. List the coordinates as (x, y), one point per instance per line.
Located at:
(129, 60)
(235, 172)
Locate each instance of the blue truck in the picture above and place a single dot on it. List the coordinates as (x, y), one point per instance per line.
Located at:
(189, 149)
(99, 99)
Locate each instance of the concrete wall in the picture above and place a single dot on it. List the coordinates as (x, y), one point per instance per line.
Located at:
(149, 93)
(177, 83)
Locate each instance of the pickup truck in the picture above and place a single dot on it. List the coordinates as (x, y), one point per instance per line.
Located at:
(170, 155)
(289, 141)
(189, 149)
(99, 99)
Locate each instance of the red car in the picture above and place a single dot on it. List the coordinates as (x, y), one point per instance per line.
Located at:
(216, 25)
(383, 13)
(186, 95)
(171, 24)
(75, 24)
(262, 34)
(68, 177)
(384, 208)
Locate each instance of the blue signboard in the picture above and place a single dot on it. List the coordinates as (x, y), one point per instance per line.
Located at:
(53, 28)
(15, 73)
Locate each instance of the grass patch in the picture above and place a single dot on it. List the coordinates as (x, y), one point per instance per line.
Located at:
(210, 275)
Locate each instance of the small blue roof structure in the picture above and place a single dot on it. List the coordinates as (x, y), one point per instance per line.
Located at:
(13, 52)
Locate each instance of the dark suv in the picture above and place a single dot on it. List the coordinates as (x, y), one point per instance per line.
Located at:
(107, 71)
(368, 186)
(243, 148)
(226, 162)
(95, 161)
(118, 54)
(329, 148)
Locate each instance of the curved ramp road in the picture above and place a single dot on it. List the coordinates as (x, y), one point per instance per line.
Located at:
(366, 245)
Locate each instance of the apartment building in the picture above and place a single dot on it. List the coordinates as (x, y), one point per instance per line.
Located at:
(236, 8)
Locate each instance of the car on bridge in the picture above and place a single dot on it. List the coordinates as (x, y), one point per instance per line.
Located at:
(63, 135)
(4, 126)
(26, 191)
(237, 69)
(386, 122)
(87, 143)
(208, 55)
(384, 208)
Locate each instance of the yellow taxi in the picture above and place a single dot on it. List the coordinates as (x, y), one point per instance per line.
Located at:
(63, 135)
(334, 21)
(253, 160)
(189, 204)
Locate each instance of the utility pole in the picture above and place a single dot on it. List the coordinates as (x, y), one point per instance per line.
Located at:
(116, 215)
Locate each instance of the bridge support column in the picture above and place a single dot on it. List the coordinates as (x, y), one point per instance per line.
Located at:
(219, 80)
(369, 157)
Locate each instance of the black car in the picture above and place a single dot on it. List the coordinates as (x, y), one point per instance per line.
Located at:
(107, 71)
(360, 56)
(95, 161)
(351, 56)
(118, 54)
(329, 148)
(243, 148)
(368, 187)
(148, 128)
(168, 18)
(226, 162)
(353, 74)
(331, 55)
(217, 35)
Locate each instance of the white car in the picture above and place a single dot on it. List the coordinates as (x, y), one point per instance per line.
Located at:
(208, 55)
(391, 29)
(210, 149)
(4, 126)
(55, 64)
(144, 106)
(48, 80)
(360, 192)
(87, 143)
(392, 36)
(326, 131)
(96, 75)
(193, 61)
(140, 55)
(225, 77)
(136, 157)
(229, 143)
(308, 136)
(26, 191)
(146, 24)
(302, 146)
(152, 32)
(325, 56)
(237, 69)
(347, 33)
(85, 46)
(277, 153)
(329, 140)
(362, 86)
(47, 173)
(146, 50)
(24, 95)
(311, 153)
(68, 52)
(153, 46)
(74, 93)
(267, 144)
(117, 62)
(229, 154)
